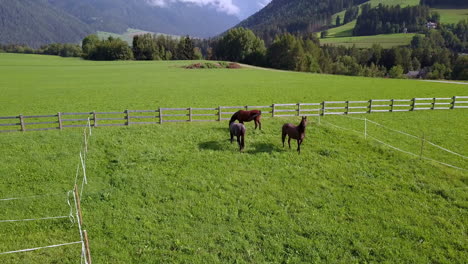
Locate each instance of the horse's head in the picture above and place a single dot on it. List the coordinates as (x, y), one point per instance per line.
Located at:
(304, 121)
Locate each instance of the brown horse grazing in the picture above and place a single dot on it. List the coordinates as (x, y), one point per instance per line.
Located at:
(238, 130)
(295, 132)
(247, 116)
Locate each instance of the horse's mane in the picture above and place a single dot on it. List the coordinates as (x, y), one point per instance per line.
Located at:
(301, 127)
(234, 117)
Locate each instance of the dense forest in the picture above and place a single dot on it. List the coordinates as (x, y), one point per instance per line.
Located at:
(392, 19)
(445, 3)
(294, 16)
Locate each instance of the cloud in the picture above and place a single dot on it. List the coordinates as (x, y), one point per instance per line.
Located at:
(225, 6)
(263, 3)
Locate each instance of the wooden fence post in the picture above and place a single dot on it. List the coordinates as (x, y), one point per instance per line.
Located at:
(453, 102)
(347, 107)
(413, 104)
(23, 127)
(273, 110)
(370, 106)
(219, 113)
(59, 115)
(190, 114)
(86, 242)
(246, 108)
(392, 105)
(160, 116)
(128, 117)
(298, 109)
(323, 108)
(95, 119)
(433, 103)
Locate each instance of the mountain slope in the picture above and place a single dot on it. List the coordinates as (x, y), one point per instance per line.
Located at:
(294, 16)
(38, 22)
(35, 22)
(174, 18)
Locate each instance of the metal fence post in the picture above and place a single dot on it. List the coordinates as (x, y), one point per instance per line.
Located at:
(273, 110)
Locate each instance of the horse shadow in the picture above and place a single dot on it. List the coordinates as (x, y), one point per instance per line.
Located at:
(213, 145)
(263, 148)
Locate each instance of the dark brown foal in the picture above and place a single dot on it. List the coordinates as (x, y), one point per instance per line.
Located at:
(295, 132)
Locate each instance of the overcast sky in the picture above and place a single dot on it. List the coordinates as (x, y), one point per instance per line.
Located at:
(240, 8)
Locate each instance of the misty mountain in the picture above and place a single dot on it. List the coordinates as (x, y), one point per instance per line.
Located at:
(37, 22)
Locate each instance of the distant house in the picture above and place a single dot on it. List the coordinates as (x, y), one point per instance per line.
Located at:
(413, 74)
(431, 25)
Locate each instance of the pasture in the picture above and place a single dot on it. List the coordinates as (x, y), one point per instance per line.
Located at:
(181, 193)
(452, 16)
(385, 40)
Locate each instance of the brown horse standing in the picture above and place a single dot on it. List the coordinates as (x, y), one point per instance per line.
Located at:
(247, 116)
(295, 132)
(238, 130)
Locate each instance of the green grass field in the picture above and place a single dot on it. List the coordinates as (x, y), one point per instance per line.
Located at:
(342, 35)
(181, 193)
(386, 41)
(452, 16)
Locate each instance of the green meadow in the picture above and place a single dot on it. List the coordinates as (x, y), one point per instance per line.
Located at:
(452, 16)
(181, 193)
(385, 40)
(343, 35)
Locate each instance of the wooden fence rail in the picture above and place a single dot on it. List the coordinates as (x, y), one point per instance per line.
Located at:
(220, 113)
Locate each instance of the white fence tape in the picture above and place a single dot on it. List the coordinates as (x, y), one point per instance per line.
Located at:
(32, 249)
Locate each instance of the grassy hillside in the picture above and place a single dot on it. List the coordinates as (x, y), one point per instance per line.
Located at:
(452, 16)
(181, 193)
(386, 41)
(336, 34)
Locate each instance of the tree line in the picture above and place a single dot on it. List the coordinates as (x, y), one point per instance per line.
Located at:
(432, 55)
(392, 19)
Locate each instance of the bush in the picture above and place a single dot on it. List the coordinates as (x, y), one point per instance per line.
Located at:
(396, 72)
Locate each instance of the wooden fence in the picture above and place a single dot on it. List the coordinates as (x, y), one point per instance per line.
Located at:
(190, 114)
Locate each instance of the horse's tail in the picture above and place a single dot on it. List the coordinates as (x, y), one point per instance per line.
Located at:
(255, 115)
(233, 118)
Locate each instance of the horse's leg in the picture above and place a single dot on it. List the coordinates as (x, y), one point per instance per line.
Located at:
(255, 121)
(289, 142)
(259, 124)
(242, 142)
(239, 142)
(283, 137)
(299, 142)
(232, 137)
